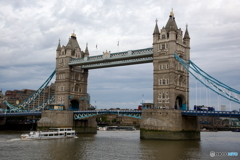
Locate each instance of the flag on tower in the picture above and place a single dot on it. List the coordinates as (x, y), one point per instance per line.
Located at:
(96, 46)
(118, 43)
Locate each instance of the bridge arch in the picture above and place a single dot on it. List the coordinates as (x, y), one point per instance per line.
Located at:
(75, 105)
(180, 102)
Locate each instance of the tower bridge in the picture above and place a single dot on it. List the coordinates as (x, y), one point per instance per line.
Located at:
(170, 56)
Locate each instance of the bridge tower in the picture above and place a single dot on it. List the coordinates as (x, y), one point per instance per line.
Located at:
(170, 87)
(71, 81)
(171, 84)
(70, 90)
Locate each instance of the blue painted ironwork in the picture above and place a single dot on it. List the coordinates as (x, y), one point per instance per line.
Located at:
(210, 82)
(20, 113)
(138, 113)
(211, 113)
(91, 113)
(43, 105)
(31, 98)
(118, 63)
(131, 113)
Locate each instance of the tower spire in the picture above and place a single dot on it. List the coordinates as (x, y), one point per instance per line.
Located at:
(59, 46)
(86, 51)
(186, 35)
(171, 13)
(171, 24)
(156, 30)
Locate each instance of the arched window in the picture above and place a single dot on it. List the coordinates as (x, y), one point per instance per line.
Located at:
(163, 46)
(76, 88)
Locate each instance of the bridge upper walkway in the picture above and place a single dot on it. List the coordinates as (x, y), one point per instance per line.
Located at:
(115, 59)
(129, 113)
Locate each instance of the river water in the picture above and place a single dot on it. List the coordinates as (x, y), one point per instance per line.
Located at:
(118, 145)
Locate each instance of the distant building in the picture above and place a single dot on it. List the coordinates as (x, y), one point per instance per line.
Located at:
(213, 122)
(15, 97)
(223, 107)
(119, 120)
(2, 98)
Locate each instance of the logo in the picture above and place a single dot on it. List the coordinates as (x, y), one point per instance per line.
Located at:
(212, 154)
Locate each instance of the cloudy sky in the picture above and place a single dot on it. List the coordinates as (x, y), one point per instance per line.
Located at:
(30, 31)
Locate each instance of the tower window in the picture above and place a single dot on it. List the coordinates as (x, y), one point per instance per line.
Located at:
(160, 81)
(76, 89)
(163, 46)
(163, 81)
(163, 36)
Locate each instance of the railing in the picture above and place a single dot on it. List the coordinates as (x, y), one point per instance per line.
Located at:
(20, 113)
(211, 113)
(129, 113)
(86, 114)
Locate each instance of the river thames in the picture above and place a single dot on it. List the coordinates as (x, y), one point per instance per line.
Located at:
(117, 145)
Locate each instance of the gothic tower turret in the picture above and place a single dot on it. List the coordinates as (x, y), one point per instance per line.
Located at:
(171, 86)
(156, 33)
(86, 54)
(186, 41)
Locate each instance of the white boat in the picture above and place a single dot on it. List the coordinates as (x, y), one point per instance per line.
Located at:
(51, 134)
(102, 128)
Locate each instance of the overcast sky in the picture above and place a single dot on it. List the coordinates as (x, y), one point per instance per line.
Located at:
(30, 31)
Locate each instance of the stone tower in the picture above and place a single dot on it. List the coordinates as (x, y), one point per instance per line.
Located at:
(171, 80)
(71, 81)
(171, 88)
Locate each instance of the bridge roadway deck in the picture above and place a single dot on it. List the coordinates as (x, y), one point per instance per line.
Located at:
(211, 113)
(130, 113)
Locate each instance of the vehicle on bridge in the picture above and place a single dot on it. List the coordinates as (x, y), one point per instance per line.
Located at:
(51, 134)
(140, 107)
(203, 108)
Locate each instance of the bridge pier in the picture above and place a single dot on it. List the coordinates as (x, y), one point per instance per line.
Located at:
(168, 124)
(2, 122)
(86, 126)
(56, 119)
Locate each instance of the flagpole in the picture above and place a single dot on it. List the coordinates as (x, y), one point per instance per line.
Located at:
(118, 45)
